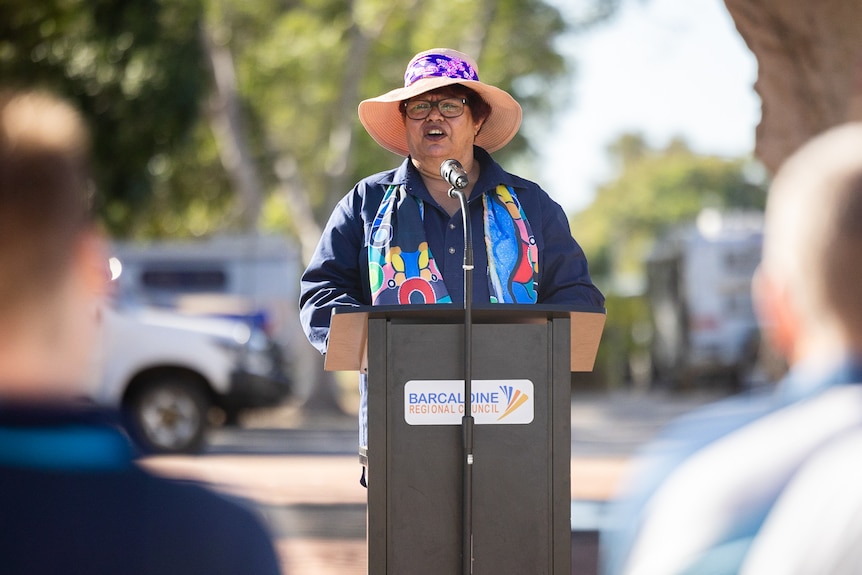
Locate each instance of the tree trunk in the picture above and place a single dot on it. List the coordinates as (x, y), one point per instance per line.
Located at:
(226, 120)
(809, 68)
(226, 115)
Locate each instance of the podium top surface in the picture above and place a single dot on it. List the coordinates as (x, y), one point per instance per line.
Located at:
(455, 312)
(348, 336)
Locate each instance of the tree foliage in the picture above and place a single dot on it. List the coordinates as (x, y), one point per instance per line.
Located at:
(133, 67)
(302, 72)
(141, 72)
(654, 190)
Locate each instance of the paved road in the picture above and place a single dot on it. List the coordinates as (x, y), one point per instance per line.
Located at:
(304, 477)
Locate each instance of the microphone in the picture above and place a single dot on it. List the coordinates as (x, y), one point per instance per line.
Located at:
(454, 173)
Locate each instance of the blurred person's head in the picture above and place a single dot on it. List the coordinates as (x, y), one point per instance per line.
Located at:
(809, 287)
(52, 266)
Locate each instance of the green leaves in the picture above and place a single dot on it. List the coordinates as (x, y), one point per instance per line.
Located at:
(133, 67)
(654, 190)
(139, 71)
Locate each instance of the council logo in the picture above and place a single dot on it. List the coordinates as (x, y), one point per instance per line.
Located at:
(493, 402)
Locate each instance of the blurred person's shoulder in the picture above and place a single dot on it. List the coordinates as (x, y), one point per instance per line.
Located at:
(715, 419)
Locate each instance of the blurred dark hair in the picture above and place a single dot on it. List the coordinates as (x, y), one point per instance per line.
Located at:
(45, 192)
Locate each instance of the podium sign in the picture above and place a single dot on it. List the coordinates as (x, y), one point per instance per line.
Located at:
(495, 402)
(521, 472)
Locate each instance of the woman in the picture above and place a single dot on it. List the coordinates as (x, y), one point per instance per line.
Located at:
(397, 237)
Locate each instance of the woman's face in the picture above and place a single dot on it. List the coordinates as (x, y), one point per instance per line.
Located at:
(436, 137)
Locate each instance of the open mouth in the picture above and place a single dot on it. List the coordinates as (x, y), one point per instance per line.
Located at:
(434, 134)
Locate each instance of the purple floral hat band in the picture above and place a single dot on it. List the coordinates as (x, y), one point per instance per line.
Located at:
(439, 66)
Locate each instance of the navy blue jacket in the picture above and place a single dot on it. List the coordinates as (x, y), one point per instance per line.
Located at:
(337, 274)
(73, 501)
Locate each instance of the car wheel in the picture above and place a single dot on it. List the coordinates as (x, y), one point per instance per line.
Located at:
(169, 415)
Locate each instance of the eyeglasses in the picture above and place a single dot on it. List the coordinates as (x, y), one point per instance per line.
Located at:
(448, 107)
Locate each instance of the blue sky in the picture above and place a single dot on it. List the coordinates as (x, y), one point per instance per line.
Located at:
(659, 67)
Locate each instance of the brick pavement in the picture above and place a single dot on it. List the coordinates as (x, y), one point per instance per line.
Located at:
(316, 506)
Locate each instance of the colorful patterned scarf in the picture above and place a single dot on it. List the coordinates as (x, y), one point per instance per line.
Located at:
(402, 269)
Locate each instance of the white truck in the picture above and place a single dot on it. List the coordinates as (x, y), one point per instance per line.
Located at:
(699, 291)
(255, 278)
(167, 372)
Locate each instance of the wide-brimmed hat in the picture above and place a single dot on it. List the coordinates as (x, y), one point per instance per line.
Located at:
(427, 71)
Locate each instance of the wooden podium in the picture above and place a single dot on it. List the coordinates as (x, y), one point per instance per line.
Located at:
(522, 357)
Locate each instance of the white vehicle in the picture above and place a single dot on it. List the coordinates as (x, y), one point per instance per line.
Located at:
(254, 277)
(699, 290)
(166, 371)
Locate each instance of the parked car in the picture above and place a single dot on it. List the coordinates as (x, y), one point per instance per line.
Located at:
(168, 371)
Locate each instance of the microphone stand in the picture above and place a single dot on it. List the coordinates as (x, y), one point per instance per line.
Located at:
(467, 419)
